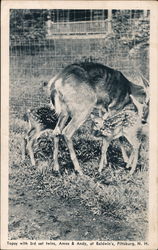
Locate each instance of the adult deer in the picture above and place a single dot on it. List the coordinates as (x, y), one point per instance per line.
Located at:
(78, 88)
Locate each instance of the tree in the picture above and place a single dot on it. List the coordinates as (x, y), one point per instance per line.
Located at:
(131, 30)
(27, 24)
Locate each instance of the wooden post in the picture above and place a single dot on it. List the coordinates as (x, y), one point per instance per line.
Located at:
(48, 23)
(109, 21)
(91, 15)
(68, 21)
(145, 13)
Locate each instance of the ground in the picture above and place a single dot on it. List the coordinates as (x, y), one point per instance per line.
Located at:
(106, 206)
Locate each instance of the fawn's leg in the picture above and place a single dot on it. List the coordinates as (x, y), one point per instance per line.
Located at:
(30, 149)
(132, 138)
(135, 159)
(25, 142)
(27, 145)
(24, 148)
(124, 154)
(103, 160)
(55, 154)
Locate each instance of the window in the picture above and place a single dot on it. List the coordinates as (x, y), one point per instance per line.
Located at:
(77, 15)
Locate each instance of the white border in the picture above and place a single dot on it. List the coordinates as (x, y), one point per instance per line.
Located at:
(153, 183)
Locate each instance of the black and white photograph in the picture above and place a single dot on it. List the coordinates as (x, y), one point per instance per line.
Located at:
(79, 117)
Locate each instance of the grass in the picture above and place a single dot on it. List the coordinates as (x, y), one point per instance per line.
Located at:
(104, 206)
(108, 195)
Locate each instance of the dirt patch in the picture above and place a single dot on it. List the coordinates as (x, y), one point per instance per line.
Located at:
(37, 214)
(54, 219)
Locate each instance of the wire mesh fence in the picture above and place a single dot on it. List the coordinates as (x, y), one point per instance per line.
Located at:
(42, 42)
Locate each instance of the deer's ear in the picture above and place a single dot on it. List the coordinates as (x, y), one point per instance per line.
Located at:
(45, 84)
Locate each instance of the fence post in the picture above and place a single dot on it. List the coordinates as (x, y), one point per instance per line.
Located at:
(109, 21)
(48, 23)
(145, 13)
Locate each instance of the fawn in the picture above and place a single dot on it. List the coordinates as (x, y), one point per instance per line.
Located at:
(41, 120)
(126, 123)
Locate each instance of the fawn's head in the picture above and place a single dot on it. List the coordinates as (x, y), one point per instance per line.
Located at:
(97, 125)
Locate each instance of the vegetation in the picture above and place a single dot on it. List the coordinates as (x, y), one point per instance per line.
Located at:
(28, 24)
(131, 31)
(110, 199)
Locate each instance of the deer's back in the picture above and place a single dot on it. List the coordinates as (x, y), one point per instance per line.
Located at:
(94, 79)
(121, 123)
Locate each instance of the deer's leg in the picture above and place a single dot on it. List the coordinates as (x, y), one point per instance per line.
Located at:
(63, 121)
(24, 148)
(25, 142)
(55, 154)
(56, 142)
(80, 103)
(68, 132)
(73, 155)
(135, 159)
(145, 113)
(124, 154)
(77, 120)
(63, 117)
(30, 142)
(103, 160)
(31, 153)
(135, 151)
(58, 129)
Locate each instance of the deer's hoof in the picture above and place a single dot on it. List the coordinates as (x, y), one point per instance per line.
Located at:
(100, 169)
(128, 168)
(78, 172)
(131, 172)
(42, 169)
